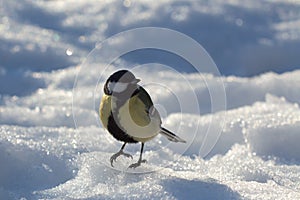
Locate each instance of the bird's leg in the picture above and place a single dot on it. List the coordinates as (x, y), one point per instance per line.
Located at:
(140, 161)
(116, 155)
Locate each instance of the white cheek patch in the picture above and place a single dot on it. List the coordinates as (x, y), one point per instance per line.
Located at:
(117, 86)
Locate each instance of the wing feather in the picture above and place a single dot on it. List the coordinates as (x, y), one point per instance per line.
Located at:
(142, 109)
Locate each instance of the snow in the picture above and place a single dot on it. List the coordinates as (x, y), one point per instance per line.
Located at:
(240, 146)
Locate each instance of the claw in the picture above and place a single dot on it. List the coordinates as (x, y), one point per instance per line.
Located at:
(116, 155)
(135, 165)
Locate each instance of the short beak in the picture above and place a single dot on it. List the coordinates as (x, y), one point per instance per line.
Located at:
(135, 81)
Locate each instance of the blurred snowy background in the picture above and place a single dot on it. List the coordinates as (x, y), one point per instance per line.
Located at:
(255, 45)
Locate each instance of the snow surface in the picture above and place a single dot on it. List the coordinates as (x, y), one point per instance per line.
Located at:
(52, 145)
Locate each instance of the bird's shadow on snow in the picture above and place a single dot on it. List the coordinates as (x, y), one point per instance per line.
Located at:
(198, 189)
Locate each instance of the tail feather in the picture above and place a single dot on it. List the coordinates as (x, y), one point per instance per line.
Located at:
(171, 136)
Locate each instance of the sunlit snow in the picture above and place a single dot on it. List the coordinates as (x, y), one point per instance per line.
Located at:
(52, 144)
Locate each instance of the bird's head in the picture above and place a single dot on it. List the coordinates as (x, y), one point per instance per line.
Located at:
(119, 82)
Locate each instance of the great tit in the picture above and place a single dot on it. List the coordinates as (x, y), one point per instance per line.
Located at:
(127, 112)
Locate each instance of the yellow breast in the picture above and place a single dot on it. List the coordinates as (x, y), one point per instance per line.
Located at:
(137, 123)
(132, 118)
(105, 109)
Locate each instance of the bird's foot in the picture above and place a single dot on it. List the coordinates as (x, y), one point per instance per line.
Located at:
(135, 165)
(116, 155)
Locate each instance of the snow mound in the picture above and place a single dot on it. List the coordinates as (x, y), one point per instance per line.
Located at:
(276, 132)
(270, 128)
(68, 163)
(52, 144)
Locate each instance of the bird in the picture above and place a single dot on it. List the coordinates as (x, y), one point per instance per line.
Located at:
(126, 110)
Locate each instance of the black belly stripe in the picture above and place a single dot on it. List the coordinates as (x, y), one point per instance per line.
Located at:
(117, 132)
